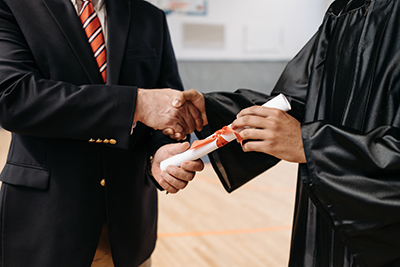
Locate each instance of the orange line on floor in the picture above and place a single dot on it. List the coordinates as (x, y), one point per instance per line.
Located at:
(226, 232)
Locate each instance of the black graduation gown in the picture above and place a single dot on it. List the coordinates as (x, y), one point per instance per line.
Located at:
(344, 87)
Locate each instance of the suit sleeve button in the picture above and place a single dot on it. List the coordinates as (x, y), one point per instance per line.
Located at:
(103, 182)
(106, 141)
(91, 140)
(99, 141)
(113, 141)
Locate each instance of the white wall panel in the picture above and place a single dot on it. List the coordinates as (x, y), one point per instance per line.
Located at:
(253, 29)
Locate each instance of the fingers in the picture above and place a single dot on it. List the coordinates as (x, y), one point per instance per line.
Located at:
(153, 108)
(258, 117)
(171, 133)
(175, 178)
(190, 95)
(271, 131)
(193, 166)
(257, 134)
(176, 175)
(260, 111)
(187, 117)
(197, 99)
(196, 115)
(249, 121)
(189, 114)
(176, 132)
(254, 145)
(179, 100)
(191, 119)
(175, 149)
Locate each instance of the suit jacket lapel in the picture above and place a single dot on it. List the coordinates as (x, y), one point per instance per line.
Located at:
(118, 21)
(65, 16)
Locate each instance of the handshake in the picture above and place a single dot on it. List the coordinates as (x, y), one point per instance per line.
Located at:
(174, 112)
(265, 129)
(177, 114)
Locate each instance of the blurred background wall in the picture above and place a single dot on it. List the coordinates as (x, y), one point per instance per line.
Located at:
(222, 45)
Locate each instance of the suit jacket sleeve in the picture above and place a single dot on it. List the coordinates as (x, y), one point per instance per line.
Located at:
(32, 105)
(35, 102)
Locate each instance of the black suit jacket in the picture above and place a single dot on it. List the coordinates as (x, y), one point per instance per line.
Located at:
(53, 101)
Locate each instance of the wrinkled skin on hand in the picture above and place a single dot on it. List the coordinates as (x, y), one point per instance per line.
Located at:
(174, 178)
(271, 131)
(154, 108)
(196, 106)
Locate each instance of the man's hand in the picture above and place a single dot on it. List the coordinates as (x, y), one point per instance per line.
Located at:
(154, 108)
(271, 131)
(195, 100)
(174, 178)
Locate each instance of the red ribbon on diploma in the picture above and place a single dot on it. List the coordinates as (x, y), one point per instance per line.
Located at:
(216, 136)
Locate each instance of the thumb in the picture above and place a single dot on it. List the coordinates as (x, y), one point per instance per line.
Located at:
(168, 151)
(190, 95)
(179, 100)
(178, 148)
(198, 101)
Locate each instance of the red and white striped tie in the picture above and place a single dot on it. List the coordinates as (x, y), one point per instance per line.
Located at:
(91, 25)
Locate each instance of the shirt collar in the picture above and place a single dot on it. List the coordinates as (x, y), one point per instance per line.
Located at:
(97, 4)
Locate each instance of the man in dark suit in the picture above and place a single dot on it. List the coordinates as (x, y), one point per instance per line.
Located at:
(81, 146)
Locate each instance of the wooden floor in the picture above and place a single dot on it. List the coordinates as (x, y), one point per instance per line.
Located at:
(203, 226)
(5, 138)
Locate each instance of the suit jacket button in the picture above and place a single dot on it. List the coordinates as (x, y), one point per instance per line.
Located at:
(103, 182)
(106, 141)
(91, 140)
(113, 141)
(99, 141)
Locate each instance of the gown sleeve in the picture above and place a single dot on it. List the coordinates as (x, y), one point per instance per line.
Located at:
(354, 177)
(233, 166)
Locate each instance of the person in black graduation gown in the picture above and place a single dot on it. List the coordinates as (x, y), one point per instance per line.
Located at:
(344, 89)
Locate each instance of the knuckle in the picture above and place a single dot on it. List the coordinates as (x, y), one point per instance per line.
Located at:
(190, 177)
(183, 185)
(246, 119)
(274, 124)
(253, 108)
(245, 134)
(163, 184)
(245, 147)
(172, 190)
(186, 176)
(275, 112)
(173, 171)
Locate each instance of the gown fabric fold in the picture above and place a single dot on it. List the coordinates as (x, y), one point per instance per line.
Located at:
(344, 88)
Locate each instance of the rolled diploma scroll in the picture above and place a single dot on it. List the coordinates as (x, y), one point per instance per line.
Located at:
(278, 102)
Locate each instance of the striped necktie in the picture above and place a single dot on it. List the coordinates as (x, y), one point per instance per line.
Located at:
(91, 25)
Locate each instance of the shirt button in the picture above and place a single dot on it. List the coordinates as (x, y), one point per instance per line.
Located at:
(103, 182)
